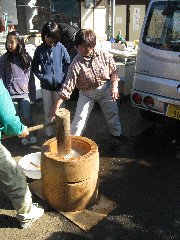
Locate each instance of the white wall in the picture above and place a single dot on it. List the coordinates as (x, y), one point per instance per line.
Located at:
(87, 17)
(120, 20)
(95, 19)
(100, 23)
(137, 13)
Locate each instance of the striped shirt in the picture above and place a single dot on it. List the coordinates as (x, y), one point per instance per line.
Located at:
(89, 73)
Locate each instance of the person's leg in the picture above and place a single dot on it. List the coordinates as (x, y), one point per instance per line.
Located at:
(23, 141)
(25, 109)
(49, 98)
(16, 105)
(83, 109)
(110, 110)
(13, 184)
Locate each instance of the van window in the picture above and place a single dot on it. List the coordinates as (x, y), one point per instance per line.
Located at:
(162, 28)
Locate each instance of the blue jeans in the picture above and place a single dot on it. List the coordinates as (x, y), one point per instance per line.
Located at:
(85, 104)
(23, 110)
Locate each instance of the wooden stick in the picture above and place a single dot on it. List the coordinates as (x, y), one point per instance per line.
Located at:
(34, 128)
(63, 132)
(41, 126)
(35, 165)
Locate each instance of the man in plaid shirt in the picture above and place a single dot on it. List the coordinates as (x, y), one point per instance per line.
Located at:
(94, 73)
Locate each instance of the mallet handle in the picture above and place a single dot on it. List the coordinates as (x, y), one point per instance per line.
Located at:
(32, 129)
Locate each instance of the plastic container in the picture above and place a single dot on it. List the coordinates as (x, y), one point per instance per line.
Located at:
(30, 164)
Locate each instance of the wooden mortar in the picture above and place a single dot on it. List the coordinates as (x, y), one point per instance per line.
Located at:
(69, 184)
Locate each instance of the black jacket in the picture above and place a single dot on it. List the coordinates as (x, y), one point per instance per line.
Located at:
(68, 33)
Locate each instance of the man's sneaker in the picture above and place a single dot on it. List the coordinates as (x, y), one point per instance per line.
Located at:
(24, 141)
(33, 140)
(26, 220)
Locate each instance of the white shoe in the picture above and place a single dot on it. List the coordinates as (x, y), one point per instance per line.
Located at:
(33, 139)
(26, 220)
(24, 141)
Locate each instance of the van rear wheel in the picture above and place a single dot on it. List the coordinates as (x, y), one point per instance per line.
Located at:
(166, 137)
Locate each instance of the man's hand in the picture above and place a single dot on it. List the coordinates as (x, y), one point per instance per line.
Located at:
(53, 113)
(114, 93)
(57, 105)
(24, 133)
(114, 90)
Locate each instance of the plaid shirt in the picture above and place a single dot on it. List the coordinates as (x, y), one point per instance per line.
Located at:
(89, 73)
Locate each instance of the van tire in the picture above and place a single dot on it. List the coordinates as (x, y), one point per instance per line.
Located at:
(164, 136)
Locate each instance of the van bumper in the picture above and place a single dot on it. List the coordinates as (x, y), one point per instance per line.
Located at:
(156, 94)
(160, 104)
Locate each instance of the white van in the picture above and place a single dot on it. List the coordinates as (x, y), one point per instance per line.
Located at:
(156, 85)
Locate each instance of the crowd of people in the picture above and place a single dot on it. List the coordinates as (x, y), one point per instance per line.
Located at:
(59, 68)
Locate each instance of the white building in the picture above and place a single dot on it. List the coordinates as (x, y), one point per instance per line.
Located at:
(102, 16)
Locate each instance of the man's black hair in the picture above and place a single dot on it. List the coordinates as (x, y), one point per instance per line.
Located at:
(68, 32)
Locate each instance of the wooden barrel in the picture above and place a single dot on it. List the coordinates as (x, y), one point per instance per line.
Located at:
(70, 184)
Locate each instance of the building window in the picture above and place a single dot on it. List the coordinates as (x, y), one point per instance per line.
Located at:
(66, 11)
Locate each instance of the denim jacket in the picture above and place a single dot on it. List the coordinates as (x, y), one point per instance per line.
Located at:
(50, 65)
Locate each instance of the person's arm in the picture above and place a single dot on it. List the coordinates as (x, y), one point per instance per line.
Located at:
(10, 123)
(114, 90)
(67, 88)
(32, 87)
(36, 64)
(66, 57)
(3, 65)
(114, 79)
(57, 105)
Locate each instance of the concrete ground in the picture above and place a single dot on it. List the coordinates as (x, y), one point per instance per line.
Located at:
(143, 181)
